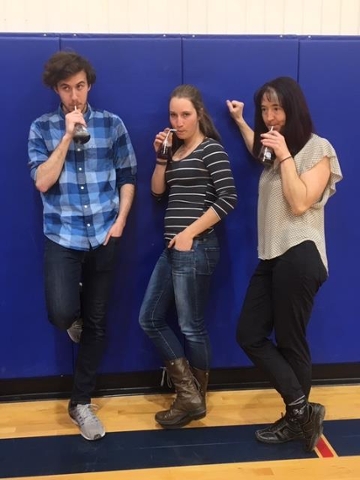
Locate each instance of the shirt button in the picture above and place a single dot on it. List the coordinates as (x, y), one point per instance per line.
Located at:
(82, 187)
(88, 225)
(85, 206)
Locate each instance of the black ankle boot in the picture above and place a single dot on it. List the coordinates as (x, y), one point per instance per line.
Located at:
(310, 419)
(283, 430)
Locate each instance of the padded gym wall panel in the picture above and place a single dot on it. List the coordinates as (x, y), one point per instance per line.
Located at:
(330, 76)
(135, 76)
(29, 345)
(233, 68)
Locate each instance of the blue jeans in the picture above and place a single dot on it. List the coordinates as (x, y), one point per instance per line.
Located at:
(64, 269)
(182, 278)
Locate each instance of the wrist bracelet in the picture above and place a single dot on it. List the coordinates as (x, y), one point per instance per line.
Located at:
(158, 162)
(286, 158)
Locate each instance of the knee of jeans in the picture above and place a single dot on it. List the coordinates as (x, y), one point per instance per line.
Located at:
(244, 339)
(291, 344)
(62, 319)
(144, 320)
(193, 332)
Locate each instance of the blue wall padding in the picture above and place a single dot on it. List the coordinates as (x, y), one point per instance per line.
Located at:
(330, 75)
(28, 344)
(135, 77)
(227, 68)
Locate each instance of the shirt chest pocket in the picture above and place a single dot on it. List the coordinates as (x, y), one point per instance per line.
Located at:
(98, 157)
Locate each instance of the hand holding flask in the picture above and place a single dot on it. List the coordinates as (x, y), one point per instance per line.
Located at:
(267, 155)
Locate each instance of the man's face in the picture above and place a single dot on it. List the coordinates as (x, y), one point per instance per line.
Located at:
(73, 92)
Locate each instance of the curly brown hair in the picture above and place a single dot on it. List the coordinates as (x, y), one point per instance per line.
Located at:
(63, 65)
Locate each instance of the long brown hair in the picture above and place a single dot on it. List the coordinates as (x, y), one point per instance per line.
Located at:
(206, 124)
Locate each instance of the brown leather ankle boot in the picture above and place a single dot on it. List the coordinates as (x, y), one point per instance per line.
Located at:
(202, 378)
(189, 403)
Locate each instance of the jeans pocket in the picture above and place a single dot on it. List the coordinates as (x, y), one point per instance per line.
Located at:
(206, 259)
(105, 255)
(212, 257)
(182, 261)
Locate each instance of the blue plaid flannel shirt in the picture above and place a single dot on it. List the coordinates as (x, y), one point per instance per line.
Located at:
(82, 205)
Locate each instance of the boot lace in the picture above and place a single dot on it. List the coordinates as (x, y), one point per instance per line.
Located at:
(165, 377)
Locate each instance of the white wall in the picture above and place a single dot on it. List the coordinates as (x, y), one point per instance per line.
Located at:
(301, 17)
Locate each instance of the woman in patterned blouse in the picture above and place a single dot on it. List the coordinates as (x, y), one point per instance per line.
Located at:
(293, 191)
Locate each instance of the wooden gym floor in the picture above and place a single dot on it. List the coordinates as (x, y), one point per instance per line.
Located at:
(38, 440)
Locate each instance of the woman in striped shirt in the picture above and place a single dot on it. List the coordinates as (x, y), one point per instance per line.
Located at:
(200, 187)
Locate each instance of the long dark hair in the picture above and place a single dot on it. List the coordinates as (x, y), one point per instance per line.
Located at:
(206, 124)
(298, 126)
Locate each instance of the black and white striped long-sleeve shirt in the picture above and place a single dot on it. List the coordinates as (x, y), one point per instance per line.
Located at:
(199, 181)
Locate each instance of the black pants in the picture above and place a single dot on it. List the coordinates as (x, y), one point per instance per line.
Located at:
(280, 298)
(64, 269)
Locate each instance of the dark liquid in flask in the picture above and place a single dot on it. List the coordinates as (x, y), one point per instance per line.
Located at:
(267, 156)
(81, 134)
(164, 152)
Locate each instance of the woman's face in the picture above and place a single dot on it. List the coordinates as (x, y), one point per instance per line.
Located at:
(184, 118)
(272, 112)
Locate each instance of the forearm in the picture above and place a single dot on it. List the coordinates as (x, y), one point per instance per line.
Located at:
(294, 189)
(301, 192)
(247, 134)
(126, 193)
(158, 183)
(48, 173)
(203, 223)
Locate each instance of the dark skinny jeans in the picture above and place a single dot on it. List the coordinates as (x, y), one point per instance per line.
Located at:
(64, 269)
(280, 299)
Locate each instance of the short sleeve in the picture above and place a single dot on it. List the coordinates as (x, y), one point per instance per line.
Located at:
(314, 151)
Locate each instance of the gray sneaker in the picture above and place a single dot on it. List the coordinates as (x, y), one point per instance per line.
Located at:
(75, 330)
(84, 417)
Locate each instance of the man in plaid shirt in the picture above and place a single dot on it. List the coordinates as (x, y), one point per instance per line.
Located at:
(87, 192)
